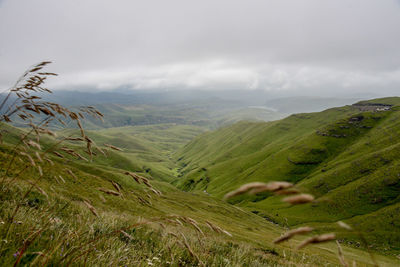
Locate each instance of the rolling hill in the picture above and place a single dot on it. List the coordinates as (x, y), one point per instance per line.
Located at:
(146, 149)
(347, 157)
(92, 213)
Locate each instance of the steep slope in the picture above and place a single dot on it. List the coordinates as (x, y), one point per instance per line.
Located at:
(347, 157)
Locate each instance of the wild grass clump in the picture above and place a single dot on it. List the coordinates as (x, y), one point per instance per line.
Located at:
(30, 219)
(57, 232)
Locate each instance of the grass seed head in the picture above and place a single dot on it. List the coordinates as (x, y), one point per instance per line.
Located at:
(109, 192)
(113, 147)
(341, 255)
(299, 199)
(58, 154)
(257, 187)
(91, 208)
(317, 239)
(345, 225)
(116, 186)
(292, 233)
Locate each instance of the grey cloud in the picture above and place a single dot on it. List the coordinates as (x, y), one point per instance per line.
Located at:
(256, 44)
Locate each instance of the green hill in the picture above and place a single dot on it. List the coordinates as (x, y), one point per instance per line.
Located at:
(71, 233)
(146, 149)
(347, 157)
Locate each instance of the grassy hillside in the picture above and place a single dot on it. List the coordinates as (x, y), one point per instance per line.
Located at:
(134, 226)
(347, 157)
(145, 149)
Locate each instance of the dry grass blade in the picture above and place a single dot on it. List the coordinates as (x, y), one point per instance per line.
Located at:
(162, 225)
(81, 157)
(89, 146)
(34, 144)
(340, 255)
(109, 192)
(155, 191)
(58, 181)
(62, 179)
(345, 226)
(126, 235)
(49, 161)
(217, 229)
(38, 156)
(257, 187)
(101, 151)
(146, 182)
(38, 188)
(139, 178)
(292, 233)
(244, 188)
(299, 199)
(189, 248)
(51, 133)
(134, 176)
(173, 234)
(195, 225)
(116, 186)
(32, 162)
(227, 233)
(113, 147)
(74, 139)
(68, 150)
(6, 118)
(71, 173)
(40, 170)
(91, 208)
(58, 154)
(317, 239)
(212, 227)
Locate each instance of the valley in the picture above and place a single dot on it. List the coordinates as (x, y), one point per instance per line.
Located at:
(332, 154)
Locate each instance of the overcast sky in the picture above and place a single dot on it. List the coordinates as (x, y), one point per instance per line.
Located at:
(299, 46)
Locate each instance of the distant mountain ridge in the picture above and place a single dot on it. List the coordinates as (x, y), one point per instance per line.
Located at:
(202, 108)
(199, 108)
(300, 104)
